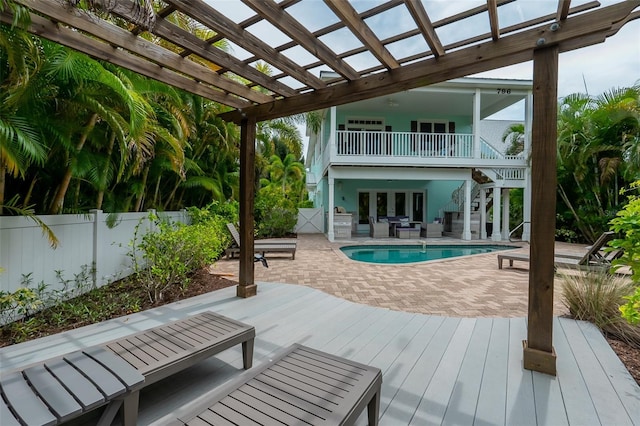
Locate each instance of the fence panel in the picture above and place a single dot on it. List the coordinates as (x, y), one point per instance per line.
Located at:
(86, 243)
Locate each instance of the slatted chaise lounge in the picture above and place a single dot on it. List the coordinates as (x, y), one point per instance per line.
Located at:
(299, 386)
(593, 259)
(272, 245)
(113, 373)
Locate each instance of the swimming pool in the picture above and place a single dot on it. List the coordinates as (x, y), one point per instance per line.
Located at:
(392, 254)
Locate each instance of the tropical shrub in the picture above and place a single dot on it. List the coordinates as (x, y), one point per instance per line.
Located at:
(596, 297)
(167, 257)
(275, 215)
(228, 211)
(627, 225)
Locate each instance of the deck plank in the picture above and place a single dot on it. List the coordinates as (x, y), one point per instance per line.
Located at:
(462, 405)
(575, 395)
(435, 400)
(520, 408)
(489, 383)
(605, 399)
(492, 397)
(413, 371)
(627, 389)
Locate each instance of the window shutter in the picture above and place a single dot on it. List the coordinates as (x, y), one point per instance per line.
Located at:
(414, 126)
(452, 127)
(340, 126)
(387, 128)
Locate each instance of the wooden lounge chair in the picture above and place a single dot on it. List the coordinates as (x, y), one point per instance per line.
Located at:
(299, 386)
(272, 245)
(593, 259)
(60, 389)
(116, 371)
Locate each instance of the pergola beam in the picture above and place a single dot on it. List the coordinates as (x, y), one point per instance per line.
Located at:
(97, 49)
(243, 38)
(298, 33)
(578, 31)
(492, 8)
(425, 26)
(124, 39)
(360, 29)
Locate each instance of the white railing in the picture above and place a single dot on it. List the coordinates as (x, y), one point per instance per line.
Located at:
(404, 144)
(87, 242)
(509, 174)
(490, 152)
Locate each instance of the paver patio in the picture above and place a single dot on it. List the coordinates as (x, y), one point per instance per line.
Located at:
(472, 286)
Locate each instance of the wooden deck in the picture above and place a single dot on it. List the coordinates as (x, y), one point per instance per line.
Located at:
(436, 370)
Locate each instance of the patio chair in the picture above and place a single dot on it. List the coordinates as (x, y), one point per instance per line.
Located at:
(299, 385)
(112, 374)
(593, 259)
(378, 229)
(271, 245)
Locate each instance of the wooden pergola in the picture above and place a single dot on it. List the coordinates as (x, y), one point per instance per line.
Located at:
(196, 65)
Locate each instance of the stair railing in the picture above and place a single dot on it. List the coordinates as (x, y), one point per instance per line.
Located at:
(515, 229)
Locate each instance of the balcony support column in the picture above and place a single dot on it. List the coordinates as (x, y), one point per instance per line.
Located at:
(332, 203)
(483, 214)
(476, 124)
(466, 230)
(497, 203)
(505, 213)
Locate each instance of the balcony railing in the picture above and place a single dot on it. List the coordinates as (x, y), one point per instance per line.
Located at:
(404, 144)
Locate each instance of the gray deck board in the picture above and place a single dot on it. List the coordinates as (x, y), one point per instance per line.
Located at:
(606, 401)
(435, 370)
(492, 397)
(462, 405)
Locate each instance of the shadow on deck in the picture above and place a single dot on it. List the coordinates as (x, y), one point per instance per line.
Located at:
(436, 370)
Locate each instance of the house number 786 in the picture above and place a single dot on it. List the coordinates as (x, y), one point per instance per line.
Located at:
(503, 91)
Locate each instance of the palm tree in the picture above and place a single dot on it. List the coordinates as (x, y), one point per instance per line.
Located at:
(284, 171)
(596, 140)
(90, 94)
(20, 137)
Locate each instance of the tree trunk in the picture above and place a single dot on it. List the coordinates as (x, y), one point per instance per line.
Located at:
(140, 196)
(58, 200)
(105, 170)
(32, 185)
(3, 173)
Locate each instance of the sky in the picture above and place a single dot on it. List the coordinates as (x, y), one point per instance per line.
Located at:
(594, 69)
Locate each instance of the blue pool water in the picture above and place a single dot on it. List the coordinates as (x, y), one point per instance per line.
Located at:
(415, 253)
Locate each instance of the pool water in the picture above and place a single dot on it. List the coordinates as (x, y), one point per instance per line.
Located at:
(392, 254)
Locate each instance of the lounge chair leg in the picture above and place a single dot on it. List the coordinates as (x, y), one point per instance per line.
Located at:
(130, 409)
(247, 354)
(109, 413)
(373, 409)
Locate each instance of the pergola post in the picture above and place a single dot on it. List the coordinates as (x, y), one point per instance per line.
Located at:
(246, 286)
(539, 354)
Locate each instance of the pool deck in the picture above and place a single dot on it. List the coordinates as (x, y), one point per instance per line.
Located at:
(437, 370)
(472, 286)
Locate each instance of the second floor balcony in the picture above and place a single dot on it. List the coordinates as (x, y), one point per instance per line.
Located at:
(415, 149)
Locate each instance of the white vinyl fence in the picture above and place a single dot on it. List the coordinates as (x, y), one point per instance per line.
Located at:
(86, 243)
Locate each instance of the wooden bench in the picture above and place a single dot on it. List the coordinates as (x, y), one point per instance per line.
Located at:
(134, 361)
(160, 352)
(63, 388)
(299, 386)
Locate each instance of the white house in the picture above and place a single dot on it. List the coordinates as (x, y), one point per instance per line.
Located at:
(427, 153)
